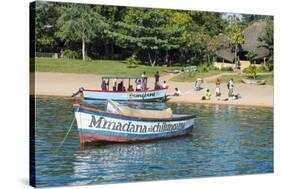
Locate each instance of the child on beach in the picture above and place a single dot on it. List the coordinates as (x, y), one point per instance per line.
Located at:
(207, 95)
(177, 92)
(218, 91)
(164, 85)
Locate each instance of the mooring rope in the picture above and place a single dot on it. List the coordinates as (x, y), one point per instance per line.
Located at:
(72, 123)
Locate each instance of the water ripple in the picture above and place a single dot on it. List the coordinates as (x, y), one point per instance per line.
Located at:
(226, 140)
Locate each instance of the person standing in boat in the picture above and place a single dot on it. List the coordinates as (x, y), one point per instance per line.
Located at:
(230, 86)
(103, 85)
(157, 79)
(138, 85)
(114, 84)
(130, 89)
(218, 90)
(144, 81)
(120, 86)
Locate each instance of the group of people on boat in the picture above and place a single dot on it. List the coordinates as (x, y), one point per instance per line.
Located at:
(140, 84)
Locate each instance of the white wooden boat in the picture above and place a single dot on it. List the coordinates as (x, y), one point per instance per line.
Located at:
(116, 125)
(147, 95)
(253, 82)
(124, 95)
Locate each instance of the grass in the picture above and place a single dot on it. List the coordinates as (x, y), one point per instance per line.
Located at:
(192, 77)
(99, 67)
(237, 78)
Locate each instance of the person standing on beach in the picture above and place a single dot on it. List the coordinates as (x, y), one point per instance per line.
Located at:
(218, 90)
(157, 78)
(230, 86)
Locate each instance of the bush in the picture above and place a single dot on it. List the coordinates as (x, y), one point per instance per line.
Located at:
(202, 68)
(72, 54)
(132, 62)
(192, 73)
(252, 70)
(269, 63)
(212, 67)
(227, 69)
(262, 69)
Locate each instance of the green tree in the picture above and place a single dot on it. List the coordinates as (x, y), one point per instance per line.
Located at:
(45, 26)
(250, 55)
(142, 29)
(267, 41)
(236, 37)
(81, 23)
(173, 29)
(200, 36)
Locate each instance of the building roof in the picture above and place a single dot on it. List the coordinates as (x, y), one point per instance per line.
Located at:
(251, 42)
(251, 39)
(225, 54)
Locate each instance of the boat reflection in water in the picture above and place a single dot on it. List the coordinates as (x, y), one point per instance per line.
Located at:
(111, 163)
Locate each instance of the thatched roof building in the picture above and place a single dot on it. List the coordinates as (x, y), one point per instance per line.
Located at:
(251, 43)
(251, 40)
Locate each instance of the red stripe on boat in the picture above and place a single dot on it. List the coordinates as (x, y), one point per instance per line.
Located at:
(104, 91)
(87, 138)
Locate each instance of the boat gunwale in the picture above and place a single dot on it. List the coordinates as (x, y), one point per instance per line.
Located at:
(180, 118)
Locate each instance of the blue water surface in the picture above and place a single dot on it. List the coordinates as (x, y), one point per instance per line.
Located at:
(226, 140)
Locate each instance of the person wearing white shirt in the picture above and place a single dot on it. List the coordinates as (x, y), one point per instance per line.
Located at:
(165, 85)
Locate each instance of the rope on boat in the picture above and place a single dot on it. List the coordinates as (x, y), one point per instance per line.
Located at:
(72, 123)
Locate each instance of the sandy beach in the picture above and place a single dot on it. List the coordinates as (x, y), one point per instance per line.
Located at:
(65, 84)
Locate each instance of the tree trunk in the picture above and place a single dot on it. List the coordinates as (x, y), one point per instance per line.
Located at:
(152, 62)
(235, 56)
(108, 49)
(167, 57)
(83, 49)
(111, 51)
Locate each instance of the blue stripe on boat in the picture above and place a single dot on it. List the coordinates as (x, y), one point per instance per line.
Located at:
(135, 135)
(128, 118)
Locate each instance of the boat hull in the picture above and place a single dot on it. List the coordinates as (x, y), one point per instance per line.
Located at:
(97, 126)
(89, 138)
(253, 82)
(150, 95)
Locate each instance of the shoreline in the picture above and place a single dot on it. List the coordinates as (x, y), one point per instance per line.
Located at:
(175, 102)
(65, 84)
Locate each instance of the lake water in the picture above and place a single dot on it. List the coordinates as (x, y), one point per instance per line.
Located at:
(226, 140)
